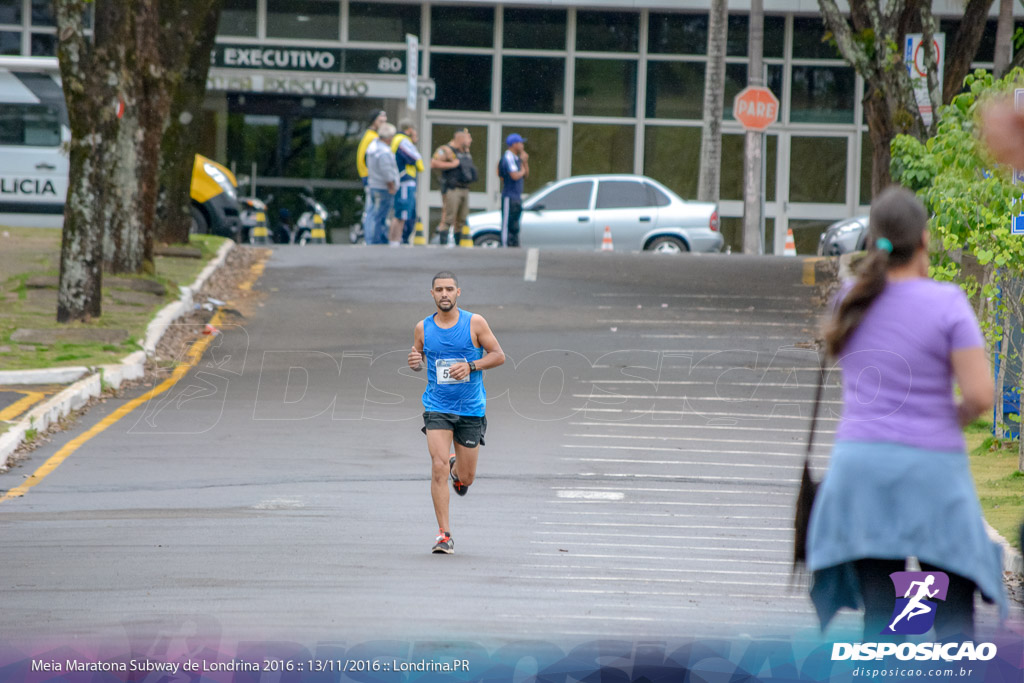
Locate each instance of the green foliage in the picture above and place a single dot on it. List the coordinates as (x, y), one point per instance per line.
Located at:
(971, 200)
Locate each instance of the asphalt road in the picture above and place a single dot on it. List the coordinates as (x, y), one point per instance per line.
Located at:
(643, 453)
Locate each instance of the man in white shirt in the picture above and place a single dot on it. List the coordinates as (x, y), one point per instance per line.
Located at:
(382, 182)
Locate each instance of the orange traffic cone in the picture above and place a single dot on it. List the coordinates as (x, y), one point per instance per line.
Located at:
(790, 249)
(606, 242)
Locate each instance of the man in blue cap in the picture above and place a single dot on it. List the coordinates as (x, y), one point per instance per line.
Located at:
(512, 168)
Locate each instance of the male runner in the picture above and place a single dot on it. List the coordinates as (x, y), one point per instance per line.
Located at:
(457, 346)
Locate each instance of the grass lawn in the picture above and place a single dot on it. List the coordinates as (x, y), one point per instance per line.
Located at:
(1000, 485)
(27, 254)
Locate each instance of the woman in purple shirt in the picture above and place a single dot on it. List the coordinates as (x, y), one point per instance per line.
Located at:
(899, 484)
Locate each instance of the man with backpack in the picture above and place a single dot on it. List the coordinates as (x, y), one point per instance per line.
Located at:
(458, 172)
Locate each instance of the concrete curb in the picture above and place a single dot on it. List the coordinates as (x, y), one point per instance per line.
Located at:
(1013, 562)
(78, 394)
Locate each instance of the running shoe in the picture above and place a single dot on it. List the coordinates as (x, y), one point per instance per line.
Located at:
(444, 543)
(459, 487)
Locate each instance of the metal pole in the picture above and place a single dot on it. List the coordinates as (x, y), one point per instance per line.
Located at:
(753, 157)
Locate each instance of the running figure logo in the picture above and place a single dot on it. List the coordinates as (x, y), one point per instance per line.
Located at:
(915, 612)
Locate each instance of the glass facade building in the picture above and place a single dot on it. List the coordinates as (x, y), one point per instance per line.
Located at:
(615, 89)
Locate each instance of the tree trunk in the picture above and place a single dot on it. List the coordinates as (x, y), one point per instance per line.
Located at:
(754, 140)
(93, 83)
(1004, 39)
(714, 89)
(197, 28)
(961, 53)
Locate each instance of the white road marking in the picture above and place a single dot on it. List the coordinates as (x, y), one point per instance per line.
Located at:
(759, 297)
(749, 480)
(686, 463)
(659, 449)
(655, 546)
(649, 425)
(680, 489)
(702, 383)
(648, 579)
(705, 413)
(592, 495)
(532, 259)
(686, 323)
(646, 437)
(787, 520)
(712, 399)
(686, 503)
(605, 534)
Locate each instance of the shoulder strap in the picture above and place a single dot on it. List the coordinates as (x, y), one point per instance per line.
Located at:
(817, 405)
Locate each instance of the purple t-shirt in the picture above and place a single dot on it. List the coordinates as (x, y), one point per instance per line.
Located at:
(896, 367)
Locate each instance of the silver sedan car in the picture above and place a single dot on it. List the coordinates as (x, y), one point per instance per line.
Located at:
(641, 213)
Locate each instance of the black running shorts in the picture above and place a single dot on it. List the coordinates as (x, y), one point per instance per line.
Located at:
(468, 430)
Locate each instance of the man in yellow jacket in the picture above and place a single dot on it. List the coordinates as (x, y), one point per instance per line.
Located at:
(409, 163)
(377, 118)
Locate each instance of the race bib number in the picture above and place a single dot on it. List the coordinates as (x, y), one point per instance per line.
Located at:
(443, 368)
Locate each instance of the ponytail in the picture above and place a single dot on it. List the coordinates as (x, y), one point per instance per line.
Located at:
(870, 283)
(898, 221)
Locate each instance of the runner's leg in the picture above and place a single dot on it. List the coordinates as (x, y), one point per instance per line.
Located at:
(439, 443)
(465, 463)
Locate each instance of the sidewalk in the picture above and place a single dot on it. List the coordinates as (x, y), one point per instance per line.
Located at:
(87, 382)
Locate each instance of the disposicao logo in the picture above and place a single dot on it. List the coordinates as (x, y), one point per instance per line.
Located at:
(915, 612)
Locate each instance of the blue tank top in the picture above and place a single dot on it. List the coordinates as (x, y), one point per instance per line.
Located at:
(441, 349)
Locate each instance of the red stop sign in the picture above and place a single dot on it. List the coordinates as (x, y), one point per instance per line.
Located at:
(756, 108)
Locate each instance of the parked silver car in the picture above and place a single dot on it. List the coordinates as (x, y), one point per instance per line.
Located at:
(642, 214)
(844, 236)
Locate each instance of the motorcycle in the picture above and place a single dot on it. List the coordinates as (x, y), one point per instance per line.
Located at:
(356, 233)
(253, 214)
(314, 217)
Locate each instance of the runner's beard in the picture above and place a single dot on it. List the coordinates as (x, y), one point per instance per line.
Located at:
(446, 306)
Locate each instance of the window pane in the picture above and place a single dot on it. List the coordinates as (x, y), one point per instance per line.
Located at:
(607, 31)
(672, 157)
(605, 87)
(817, 170)
(10, 43)
(571, 197)
(675, 90)
(384, 23)
(774, 36)
(736, 37)
(533, 85)
(866, 163)
(542, 145)
(733, 153)
(442, 134)
(238, 18)
(44, 45)
(681, 34)
(29, 124)
(622, 194)
(462, 26)
(602, 148)
(822, 94)
(463, 82)
(308, 19)
(10, 11)
(808, 40)
(534, 29)
(42, 13)
(252, 138)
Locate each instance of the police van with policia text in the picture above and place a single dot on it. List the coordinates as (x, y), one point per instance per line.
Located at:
(34, 135)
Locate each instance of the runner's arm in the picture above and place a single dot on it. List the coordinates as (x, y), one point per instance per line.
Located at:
(494, 356)
(416, 355)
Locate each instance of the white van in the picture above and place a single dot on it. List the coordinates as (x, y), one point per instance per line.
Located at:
(33, 132)
(34, 166)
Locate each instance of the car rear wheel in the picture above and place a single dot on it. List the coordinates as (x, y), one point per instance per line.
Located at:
(199, 225)
(667, 245)
(488, 241)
